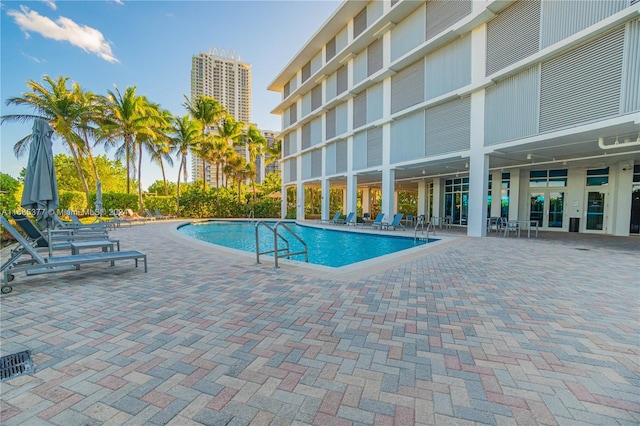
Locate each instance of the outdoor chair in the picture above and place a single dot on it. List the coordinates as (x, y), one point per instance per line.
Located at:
(159, 215)
(73, 228)
(408, 220)
(39, 240)
(512, 226)
(131, 215)
(395, 223)
(44, 265)
(335, 219)
(377, 222)
(152, 216)
(75, 221)
(348, 221)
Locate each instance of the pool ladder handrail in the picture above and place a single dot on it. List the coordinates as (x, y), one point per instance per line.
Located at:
(279, 252)
(420, 223)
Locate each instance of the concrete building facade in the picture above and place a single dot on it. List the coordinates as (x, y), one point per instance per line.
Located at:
(528, 110)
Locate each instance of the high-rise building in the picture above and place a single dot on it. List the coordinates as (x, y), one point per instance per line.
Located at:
(224, 77)
(524, 110)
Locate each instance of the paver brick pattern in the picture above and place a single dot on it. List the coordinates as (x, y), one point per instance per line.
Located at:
(496, 331)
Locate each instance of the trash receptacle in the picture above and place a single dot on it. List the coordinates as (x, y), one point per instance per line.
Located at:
(574, 224)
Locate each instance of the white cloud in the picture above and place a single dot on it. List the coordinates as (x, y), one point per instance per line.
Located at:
(64, 29)
(51, 3)
(32, 58)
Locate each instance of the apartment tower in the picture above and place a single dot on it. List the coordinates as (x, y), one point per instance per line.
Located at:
(223, 76)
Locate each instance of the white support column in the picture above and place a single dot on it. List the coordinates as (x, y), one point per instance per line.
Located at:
(422, 198)
(437, 194)
(478, 170)
(283, 202)
(326, 188)
(478, 180)
(514, 194)
(478, 161)
(388, 192)
(619, 207)
(496, 193)
(352, 193)
(366, 200)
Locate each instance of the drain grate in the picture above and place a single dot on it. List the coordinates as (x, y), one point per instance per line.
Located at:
(582, 248)
(15, 365)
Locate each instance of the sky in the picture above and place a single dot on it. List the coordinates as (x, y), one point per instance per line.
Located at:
(146, 44)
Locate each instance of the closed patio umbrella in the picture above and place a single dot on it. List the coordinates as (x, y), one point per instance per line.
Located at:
(40, 194)
(99, 197)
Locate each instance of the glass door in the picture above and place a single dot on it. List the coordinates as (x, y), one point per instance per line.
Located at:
(595, 211)
(555, 210)
(536, 211)
(547, 207)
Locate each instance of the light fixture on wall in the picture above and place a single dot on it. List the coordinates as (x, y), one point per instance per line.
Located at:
(529, 156)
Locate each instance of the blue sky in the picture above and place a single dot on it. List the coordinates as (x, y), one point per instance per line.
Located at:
(147, 44)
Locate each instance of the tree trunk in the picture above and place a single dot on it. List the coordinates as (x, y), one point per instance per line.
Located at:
(140, 180)
(76, 161)
(164, 178)
(127, 142)
(178, 189)
(217, 190)
(93, 163)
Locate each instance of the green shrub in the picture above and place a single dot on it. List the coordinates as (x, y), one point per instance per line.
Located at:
(166, 205)
(72, 200)
(9, 194)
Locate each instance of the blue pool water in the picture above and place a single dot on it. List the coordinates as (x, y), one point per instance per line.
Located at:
(326, 247)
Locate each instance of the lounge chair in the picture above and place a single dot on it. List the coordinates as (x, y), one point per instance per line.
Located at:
(75, 221)
(348, 221)
(152, 216)
(336, 218)
(119, 219)
(377, 222)
(395, 223)
(73, 228)
(135, 216)
(40, 240)
(159, 214)
(43, 265)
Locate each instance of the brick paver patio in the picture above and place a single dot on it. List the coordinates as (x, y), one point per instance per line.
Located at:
(491, 330)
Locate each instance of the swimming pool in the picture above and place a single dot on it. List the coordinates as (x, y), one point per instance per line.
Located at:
(327, 247)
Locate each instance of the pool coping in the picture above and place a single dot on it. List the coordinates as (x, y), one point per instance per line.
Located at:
(354, 270)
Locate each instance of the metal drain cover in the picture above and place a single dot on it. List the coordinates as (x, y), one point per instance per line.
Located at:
(15, 365)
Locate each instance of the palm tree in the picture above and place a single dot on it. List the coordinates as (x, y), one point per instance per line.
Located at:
(162, 147)
(184, 137)
(54, 102)
(125, 116)
(150, 137)
(89, 112)
(207, 110)
(230, 133)
(256, 145)
(239, 170)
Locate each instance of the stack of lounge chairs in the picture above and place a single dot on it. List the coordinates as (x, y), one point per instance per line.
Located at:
(33, 253)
